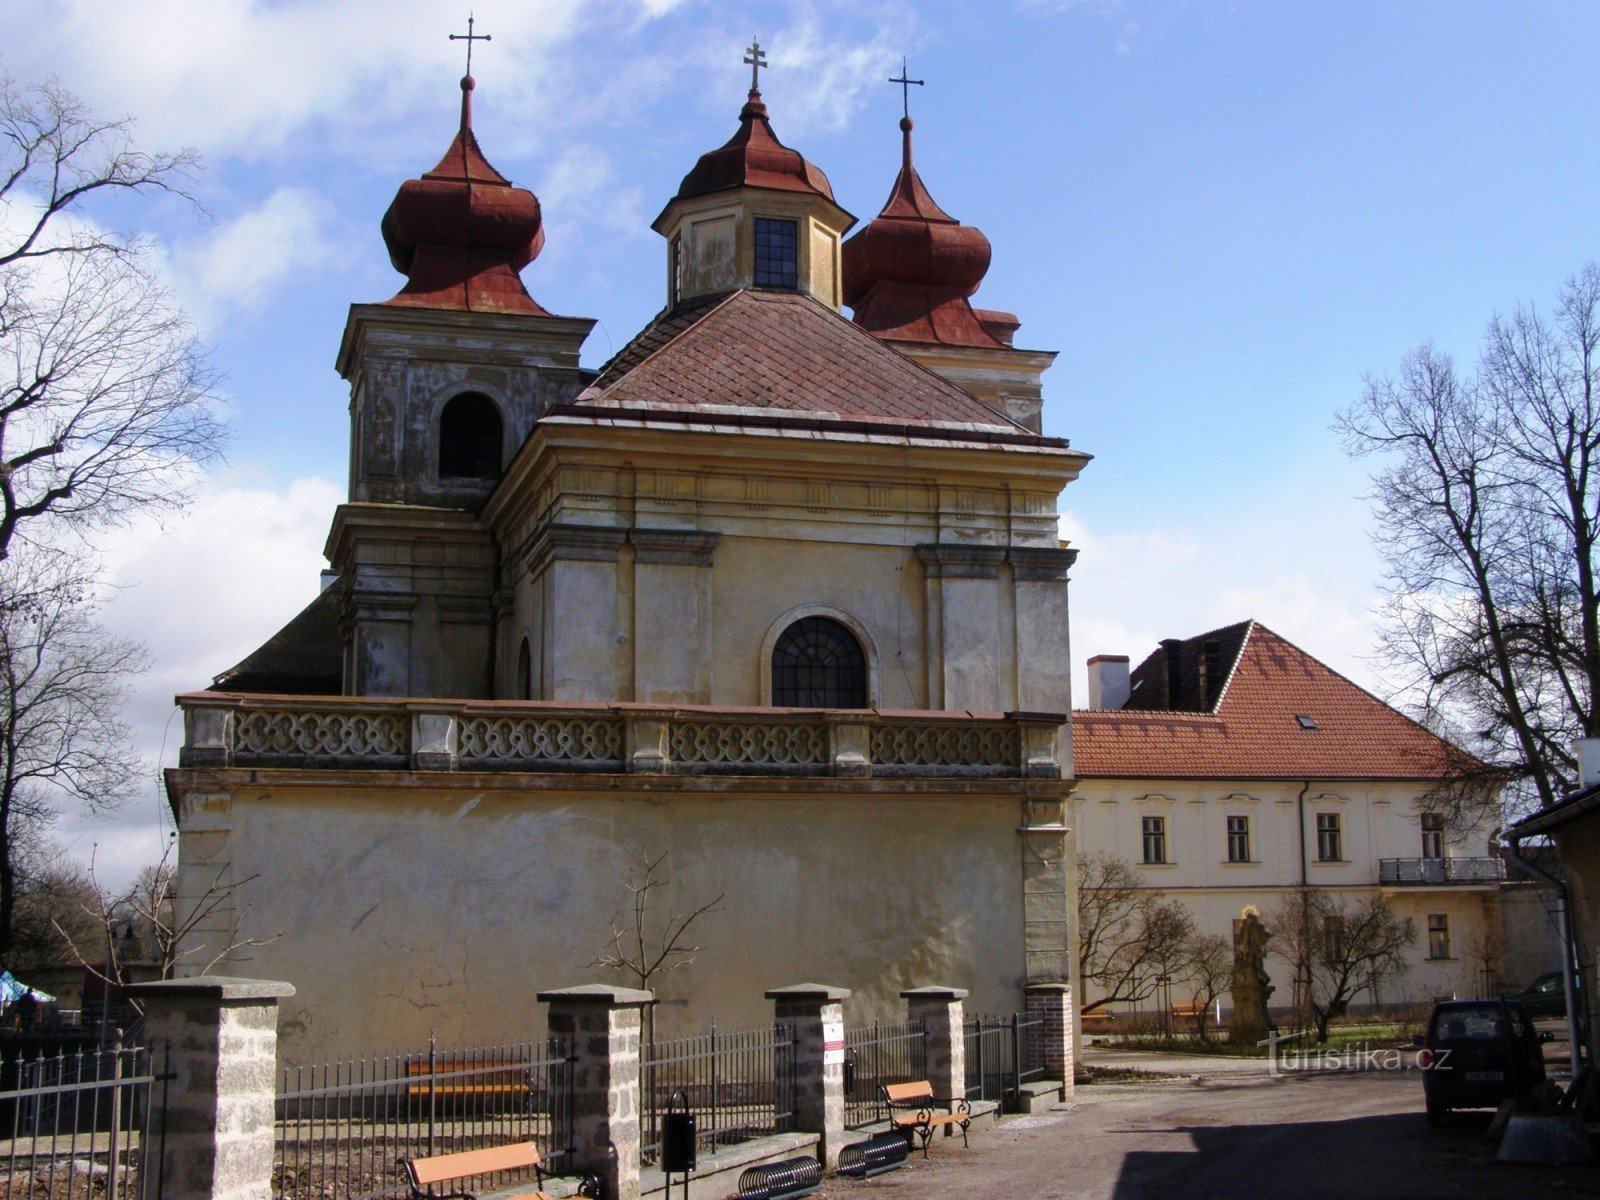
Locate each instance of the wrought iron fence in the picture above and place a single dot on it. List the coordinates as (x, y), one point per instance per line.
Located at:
(1439, 871)
(738, 1085)
(78, 1122)
(877, 1054)
(1003, 1053)
(342, 1126)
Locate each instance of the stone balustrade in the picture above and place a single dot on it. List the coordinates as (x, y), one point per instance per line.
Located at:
(362, 733)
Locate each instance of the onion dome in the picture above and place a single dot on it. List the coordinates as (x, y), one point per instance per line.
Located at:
(909, 273)
(461, 232)
(753, 157)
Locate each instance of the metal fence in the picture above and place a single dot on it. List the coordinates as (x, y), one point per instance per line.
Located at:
(738, 1085)
(877, 1054)
(77, 1122)
(341, 1127)
(1002, 1054)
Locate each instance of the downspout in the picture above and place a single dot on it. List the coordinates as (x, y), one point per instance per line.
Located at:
(1302, 981)
(1564, 914)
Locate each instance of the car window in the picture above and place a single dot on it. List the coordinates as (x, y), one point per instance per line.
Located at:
(1469, 1024)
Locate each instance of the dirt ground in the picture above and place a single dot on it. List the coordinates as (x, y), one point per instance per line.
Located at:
(1328, 1136)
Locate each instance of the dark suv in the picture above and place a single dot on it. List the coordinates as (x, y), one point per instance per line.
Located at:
(1545, 996)
(1477, 1053)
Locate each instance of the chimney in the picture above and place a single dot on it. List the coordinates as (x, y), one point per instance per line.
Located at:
(1170, 648)
(1108, 681)
(1585, 750)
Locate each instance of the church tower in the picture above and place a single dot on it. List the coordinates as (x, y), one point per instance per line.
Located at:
(447, 379)
(909, 277)
(753, 213)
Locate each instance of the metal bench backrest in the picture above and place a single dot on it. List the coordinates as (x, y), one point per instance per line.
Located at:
(444, 1167)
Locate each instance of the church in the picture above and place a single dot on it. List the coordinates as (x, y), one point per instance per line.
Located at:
(775, 597)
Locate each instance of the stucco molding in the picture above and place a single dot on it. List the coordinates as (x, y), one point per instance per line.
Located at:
(1040, 565)
(943, 560)
(678, 547)
(575, 543)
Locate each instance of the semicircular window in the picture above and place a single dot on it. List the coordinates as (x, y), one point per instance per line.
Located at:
(470, 438)
(818, 663)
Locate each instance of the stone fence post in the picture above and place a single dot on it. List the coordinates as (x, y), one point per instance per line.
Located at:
(814, 1015)
(603, 1024)
(1051, 1003)
(942, 1014)
(220, 1037)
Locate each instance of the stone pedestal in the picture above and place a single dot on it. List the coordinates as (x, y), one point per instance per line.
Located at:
(603, 1024)
(1051, 1004)
(942, 1014)
(218, 1037)
(814, 1014)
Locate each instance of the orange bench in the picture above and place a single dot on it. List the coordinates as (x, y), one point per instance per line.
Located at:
(459, 1077)
(423, 1173)
(914, 1111)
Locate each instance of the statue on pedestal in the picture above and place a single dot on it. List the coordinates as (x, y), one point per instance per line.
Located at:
(1251, 985)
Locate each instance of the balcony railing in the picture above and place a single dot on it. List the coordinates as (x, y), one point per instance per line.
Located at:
(1439, 872)
(361, 733)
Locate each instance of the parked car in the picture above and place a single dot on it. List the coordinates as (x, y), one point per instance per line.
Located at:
(1545, 997)
(1477, 1053)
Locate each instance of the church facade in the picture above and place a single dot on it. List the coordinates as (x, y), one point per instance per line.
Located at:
(777, 594)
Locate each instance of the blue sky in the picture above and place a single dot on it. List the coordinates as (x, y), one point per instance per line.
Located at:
(1222, 215)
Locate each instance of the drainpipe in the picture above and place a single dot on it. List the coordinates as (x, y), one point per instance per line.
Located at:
(1564, 915)
(1302, 982)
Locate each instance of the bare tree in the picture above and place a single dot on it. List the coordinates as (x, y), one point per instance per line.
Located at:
(1488, 502)
(62, 688)
(1208, 971)
(1129, 937)
(645, 944)
(106, 403)
(1339, 948)
(150, 923)
(51, 890)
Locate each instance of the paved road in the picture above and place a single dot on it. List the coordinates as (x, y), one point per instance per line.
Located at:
(1356, 1136)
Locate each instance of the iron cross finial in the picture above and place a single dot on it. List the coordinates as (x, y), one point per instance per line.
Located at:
(755, 58)
(469, 37)
(905, 86)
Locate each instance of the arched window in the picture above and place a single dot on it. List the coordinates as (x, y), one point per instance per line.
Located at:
(817, 663)
(469, 438)
(524, 672)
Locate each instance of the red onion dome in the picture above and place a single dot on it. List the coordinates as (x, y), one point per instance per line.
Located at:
(908, 274)
(462, 232)
(753, 157)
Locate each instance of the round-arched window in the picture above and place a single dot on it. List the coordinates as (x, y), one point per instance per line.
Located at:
(470, 438)
(524, 672)
(817, 663)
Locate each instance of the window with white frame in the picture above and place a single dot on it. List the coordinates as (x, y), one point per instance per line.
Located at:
(1330, 838)
(1239, 839)
(1155, 839)
(1432, 835)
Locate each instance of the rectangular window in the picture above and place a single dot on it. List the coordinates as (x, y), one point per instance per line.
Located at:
(777, 253)
(1438, 935)
(1333, 947)
(1432, 835)
(1239, 839)
(1330, 840)
(1155, 839)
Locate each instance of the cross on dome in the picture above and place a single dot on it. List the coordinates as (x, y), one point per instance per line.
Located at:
(755, 58)
(469, 37)
(905, 87)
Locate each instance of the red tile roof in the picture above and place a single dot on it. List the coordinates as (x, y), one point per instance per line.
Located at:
(1254, 731)
(780, 352)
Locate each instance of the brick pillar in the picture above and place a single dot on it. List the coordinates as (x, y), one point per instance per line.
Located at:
(603, 1024)
(941, 1012)
(218, 1038)
(1051, 1003)
(814, 1014)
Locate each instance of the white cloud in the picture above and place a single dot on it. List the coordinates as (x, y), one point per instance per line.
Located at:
(200, 591)
(234, 266)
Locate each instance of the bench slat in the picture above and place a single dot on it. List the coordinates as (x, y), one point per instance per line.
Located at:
(444, 1167)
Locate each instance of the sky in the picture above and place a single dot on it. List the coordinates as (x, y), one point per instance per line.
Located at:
(1224, 216)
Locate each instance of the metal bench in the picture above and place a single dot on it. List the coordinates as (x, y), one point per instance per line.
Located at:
(424, 1173)
(914, 1111)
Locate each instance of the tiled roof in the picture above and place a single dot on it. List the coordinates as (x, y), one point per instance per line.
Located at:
(1254, 730)
(780, 352)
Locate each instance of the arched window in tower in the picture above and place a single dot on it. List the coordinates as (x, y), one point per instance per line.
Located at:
(470, 438)
(817, 663)
(524, 672)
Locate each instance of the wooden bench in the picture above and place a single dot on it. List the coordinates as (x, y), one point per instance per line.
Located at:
(1190, 1012)
(423, 1173)
(1098, 1021)
(458, 1077)
(914, 1111)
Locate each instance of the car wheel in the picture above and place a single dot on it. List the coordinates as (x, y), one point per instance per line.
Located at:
(1438, 1113)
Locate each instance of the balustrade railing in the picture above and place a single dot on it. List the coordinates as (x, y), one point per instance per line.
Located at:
(1439, 871)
